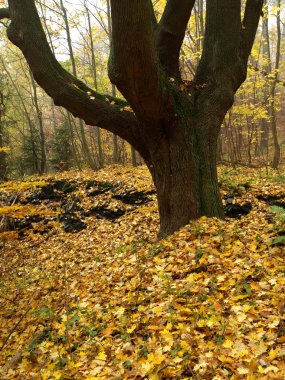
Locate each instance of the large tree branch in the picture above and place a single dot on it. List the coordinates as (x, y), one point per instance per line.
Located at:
(228, 41)
(170, 34)
(253, 11)
(219, 72)
(133, 64)
(222, 39)
(4, 13)
(26, 32)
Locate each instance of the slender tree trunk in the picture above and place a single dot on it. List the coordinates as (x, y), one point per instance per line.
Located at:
(68, 37)
(276, 155)
(95, 82)
(3, 162)
(43, 160)
(73, 143)
(264, 138)
(201, 17)
(270, 88)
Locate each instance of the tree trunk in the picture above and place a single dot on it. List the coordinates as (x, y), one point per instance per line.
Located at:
(183, 168)
(43, 159)
(264, 138)
(3, 162)
(95, 82)
(276, 155)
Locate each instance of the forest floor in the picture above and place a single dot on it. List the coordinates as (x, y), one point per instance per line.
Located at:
(87, 292)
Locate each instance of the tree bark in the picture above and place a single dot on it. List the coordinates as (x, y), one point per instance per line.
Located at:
(184, 172)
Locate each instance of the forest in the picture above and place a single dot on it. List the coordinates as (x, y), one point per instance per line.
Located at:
(142, 189)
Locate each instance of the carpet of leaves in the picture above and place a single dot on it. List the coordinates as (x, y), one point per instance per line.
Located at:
(112, 302)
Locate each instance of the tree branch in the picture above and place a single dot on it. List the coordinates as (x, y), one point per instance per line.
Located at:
(104, 111)
(220, 71)
(221, 51)
(133, 64)
(253, 11)
(170, 34)
(4, 13)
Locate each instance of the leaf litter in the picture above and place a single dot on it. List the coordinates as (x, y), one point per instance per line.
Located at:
(112, 302)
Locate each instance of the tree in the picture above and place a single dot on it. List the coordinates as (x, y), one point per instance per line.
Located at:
(3, 163)
(174, 129)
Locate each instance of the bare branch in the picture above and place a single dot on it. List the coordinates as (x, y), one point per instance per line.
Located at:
(26, 32)
(170, 34)
(4, 13)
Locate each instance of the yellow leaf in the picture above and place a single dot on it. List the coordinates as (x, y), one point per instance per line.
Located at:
(154, 327)
(107, 331)
(241, 317)
(225, 359)
(271, 368)
(227, 343)
(274, 323)
(242, 370)
(157, 310)
(83, 304)
(120, 311)
(281, 339)
(167, 335)
(272, 354)
(131, 329)
(101, 356)
(75, 365)
(155, 358)
(145, 367)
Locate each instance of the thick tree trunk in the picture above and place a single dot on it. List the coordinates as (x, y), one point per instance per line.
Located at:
(183, 167)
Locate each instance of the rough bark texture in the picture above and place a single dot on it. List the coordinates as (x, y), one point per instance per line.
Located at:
(174, 131)
(170, 33)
